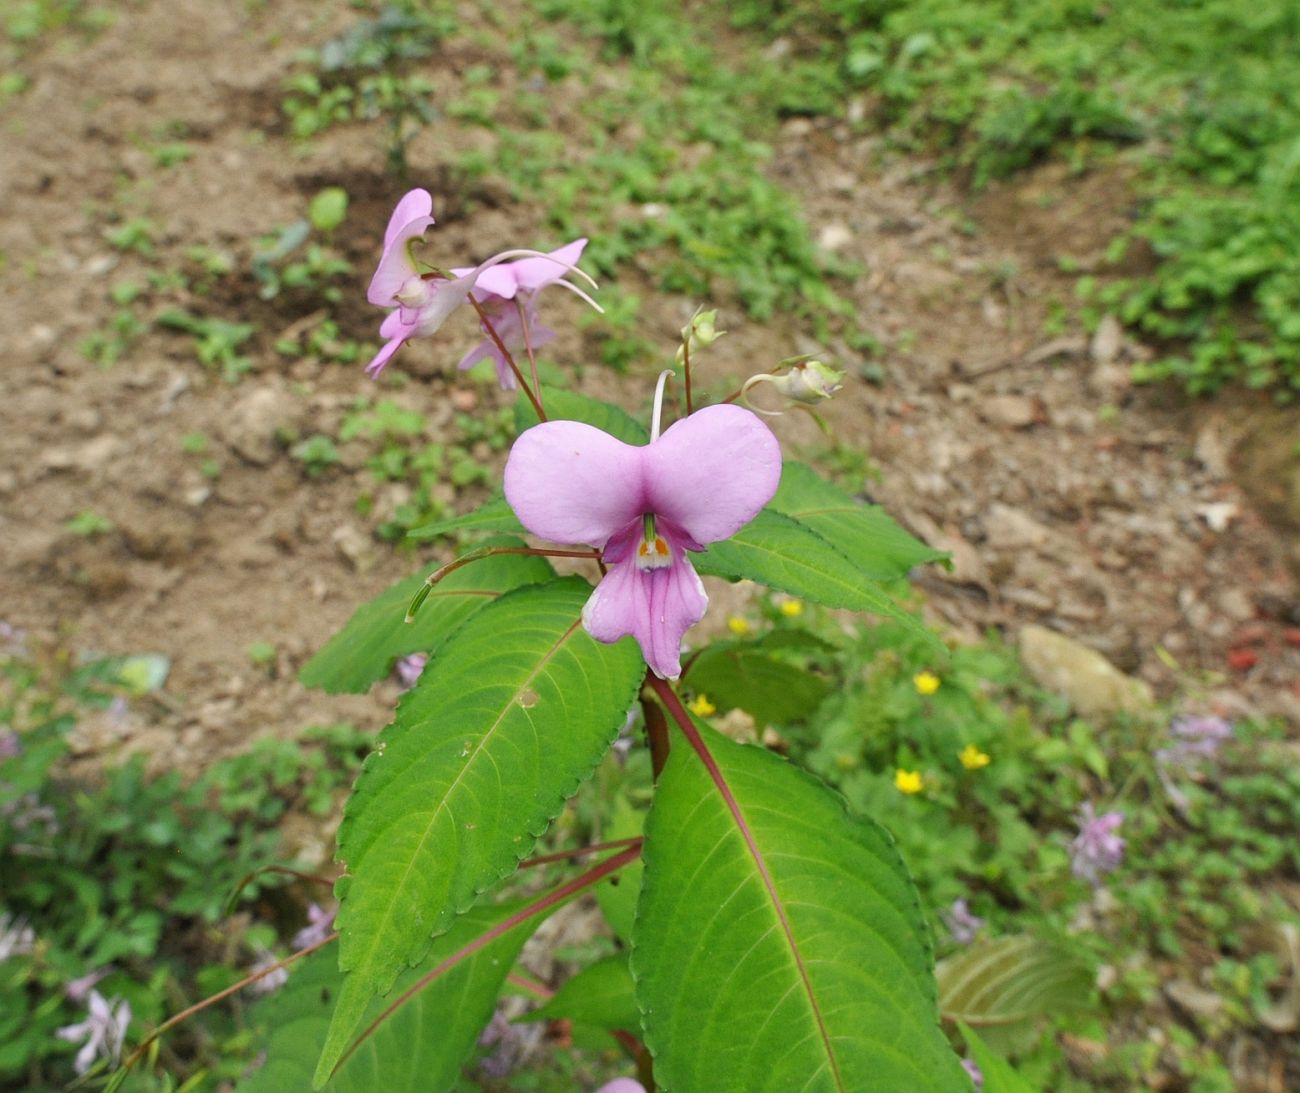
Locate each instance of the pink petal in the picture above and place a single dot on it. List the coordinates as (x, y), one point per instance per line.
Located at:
(397, 333)
(573, 483)
(396, 266)
(414, 205)
(531, 274)
(656, 606)
(712, 472)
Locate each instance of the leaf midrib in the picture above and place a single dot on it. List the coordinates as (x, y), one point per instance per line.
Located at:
(379, 933)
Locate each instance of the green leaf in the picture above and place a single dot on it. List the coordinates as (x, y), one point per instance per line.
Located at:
(998, 1075)
(493, 515)
(782, 553)
(1006, 980)
(328, 208)
(736, 674)
(571, 406)
(422, 1045)
(600, 995)
(779, 942)
(377, 634)
(865, 534)
(617, 894)
(504, 724)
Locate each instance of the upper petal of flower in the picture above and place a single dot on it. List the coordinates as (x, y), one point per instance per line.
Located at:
(712, 472)
(414, 205)
(573, 483)
(411, 219)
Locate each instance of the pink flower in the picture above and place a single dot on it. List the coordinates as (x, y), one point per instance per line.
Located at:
(507, 294)
(622, 1085)
(319, 924)
(1096, 849)
(643, 508)
(104, 1030)
(423, 297)
(409, 669)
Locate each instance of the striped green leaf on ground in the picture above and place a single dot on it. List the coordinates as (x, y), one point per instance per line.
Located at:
(503, 726)
(779, 943)
(1004, 980)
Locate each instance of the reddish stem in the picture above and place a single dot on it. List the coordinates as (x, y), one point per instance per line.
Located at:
(172, 1022)
(491, 332)
(528, 345)
(656, 730)
(545, 903)
(579, 852)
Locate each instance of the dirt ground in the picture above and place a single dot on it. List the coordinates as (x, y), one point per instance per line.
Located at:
(1125, 518)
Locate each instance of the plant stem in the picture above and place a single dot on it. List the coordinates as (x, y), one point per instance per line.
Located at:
(686, 372)
(491, 332)
(579, 852)
(528, 345)
(172, 1022)
(486, 552)
(656, 730)
(538, 906)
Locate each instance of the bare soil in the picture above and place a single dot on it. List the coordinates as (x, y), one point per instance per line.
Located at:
(1124, 517)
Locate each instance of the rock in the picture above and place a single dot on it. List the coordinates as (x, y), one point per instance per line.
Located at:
(834, 237)
(1011, 411)
(1196, 1002)
(1107, 341)
(1212, 452)
(1093, 686)
(356, 546)
(250, 429)
(1007, 527)
(89, 456)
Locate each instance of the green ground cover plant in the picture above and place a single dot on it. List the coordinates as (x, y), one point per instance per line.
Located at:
(1199, 96)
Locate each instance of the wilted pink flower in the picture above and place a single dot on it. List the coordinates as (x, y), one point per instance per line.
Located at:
(409, 668)
(976, 1075)
(16, 937)
(319, 924)
(104, 1030)
(1096, 849)
(78, 989)
(507, 294)
(961, 924)
(644, 508)
(423, 297)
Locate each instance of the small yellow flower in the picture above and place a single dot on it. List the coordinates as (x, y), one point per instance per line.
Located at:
(792, 609)
(972, 758)
(700, 706)
(926, 683)
(738, 626)
(908, 781)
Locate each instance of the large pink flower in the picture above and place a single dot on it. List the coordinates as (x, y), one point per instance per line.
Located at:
(507, 294)
(643, 508)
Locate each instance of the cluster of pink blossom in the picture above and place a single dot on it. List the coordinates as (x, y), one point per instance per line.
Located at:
(642, 508)
(1096, 850)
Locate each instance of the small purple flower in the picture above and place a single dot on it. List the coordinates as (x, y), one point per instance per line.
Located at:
(1096, 849)
(644, 508)
(423, 297)
(319, 924)
(104, 1031)
(272, 981)
(507, 294)
(622, 1085)
(961, 924)
(976, 1075)
(408, 669)
(1196, 738)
